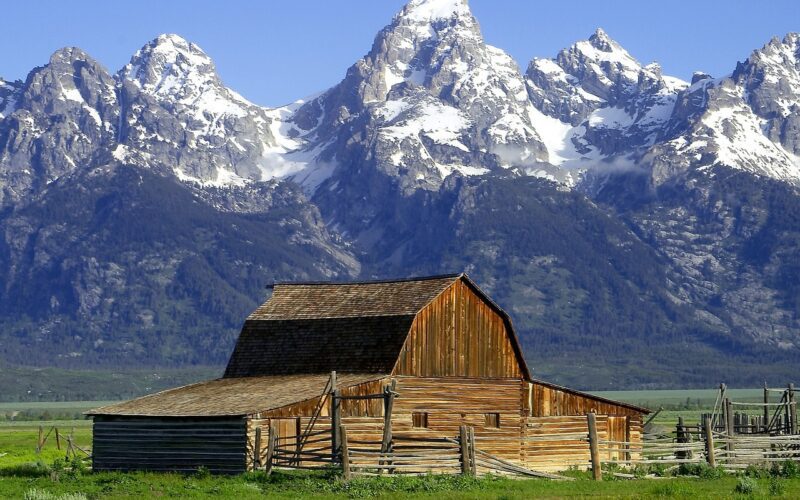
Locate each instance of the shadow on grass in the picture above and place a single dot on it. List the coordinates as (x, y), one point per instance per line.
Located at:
(30, 469)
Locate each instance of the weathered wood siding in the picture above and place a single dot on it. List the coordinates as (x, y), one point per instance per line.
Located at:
(451, 402)
(362, 429)
(169, 444)
(544, 442)
(362, 414)
(545, 401)
(458, 335)
(554, 443)
(557, 443)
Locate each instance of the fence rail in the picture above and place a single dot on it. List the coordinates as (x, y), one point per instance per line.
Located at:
(690, 445)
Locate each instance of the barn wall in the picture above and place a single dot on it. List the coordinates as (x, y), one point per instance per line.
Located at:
(452, 402)
(366, 417)
(545, 401)
(543, 442)
(458, 334)
(359, 428)
(554, 443)
(169, 444)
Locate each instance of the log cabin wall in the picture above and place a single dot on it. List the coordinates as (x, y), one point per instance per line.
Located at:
(169, 444)
(458, 335)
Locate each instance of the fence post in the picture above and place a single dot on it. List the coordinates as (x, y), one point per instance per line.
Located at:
(345, 454)
(729, 430)
(257, 449)
(388, 405)
(336, 418)
(766, 408)
(709, 443)
(594, 447)
(462, 442)
(792, 410)
(680, 434)
(273, 439)
(473, 465)
(58, 440)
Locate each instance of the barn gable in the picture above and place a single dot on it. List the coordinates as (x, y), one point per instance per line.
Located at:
(462, 333)
(437, 326)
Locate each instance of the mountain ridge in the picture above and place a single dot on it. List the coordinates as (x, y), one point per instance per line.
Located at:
(603, 203)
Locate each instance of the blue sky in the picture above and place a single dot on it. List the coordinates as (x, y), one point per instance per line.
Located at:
(275, 51)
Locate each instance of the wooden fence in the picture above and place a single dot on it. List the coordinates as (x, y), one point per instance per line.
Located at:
(690, 445)
(408, 453)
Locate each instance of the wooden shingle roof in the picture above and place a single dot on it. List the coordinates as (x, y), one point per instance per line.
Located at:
(231, 397)
(351, 300)
(322, 327)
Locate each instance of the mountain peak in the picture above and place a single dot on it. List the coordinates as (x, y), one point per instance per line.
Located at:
(433, 10)
(165, 59)
(70, 55)
(173, 47)
(601, 41)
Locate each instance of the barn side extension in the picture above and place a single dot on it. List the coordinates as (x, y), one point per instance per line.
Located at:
(408, 376)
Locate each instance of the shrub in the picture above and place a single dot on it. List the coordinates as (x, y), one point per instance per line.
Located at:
(790, 469)
(712, 472)
(746, 485)
(202, 472)
(756, 472)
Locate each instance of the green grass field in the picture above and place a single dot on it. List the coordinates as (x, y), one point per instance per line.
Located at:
(683, 398)
(24, 473)
(39, 483)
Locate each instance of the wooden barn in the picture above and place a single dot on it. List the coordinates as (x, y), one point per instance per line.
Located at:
(412, 359)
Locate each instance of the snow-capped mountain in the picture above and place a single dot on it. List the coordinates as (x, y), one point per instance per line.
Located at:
(586, 194)
(173, 100)
(58, 119)
(748, 120)
(431, 98)
(601, 105)
(9, 94)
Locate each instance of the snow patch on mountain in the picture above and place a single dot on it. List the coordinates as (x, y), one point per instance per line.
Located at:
(427, 11)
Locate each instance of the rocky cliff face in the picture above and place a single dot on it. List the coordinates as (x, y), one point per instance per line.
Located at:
(603, 203)
(429, 100)
(172, 100)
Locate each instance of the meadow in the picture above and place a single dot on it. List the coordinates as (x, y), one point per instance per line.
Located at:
(24, 473)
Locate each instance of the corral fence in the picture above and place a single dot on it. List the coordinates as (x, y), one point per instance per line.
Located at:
(406, 454)
(62, 442)
(726, 438)
(394, 453)
(691, 445)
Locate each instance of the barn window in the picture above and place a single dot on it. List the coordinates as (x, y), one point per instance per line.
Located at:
(492, 420)
(419, 419)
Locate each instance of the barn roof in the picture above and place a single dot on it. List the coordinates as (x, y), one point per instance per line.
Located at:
(321, 327)
(323, 300)
(231, 397)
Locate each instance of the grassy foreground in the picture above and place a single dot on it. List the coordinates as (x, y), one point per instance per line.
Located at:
(40, 483)
(46, 476)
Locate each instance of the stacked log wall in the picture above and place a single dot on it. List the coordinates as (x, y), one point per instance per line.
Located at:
(169, 444)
